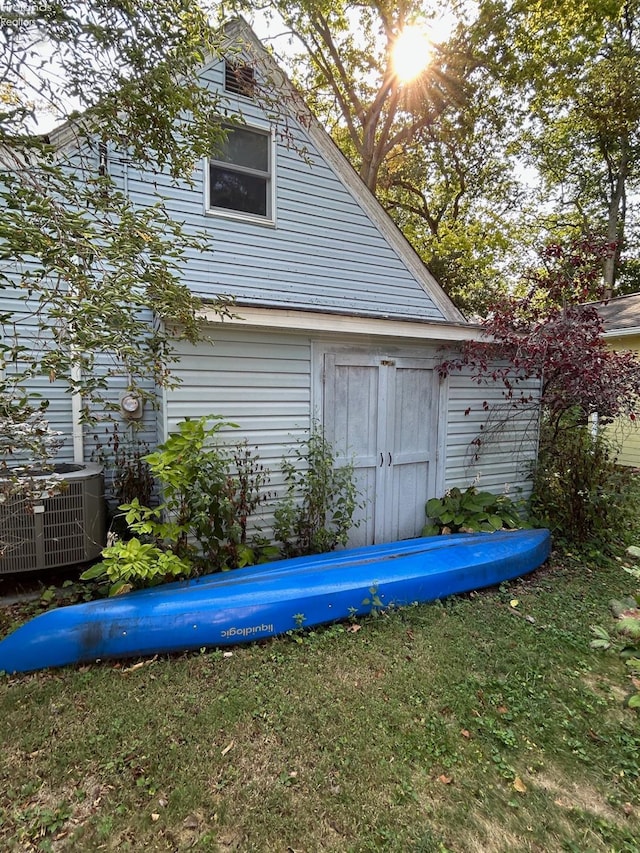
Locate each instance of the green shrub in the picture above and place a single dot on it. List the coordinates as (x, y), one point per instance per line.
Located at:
(132, 564)
(317, 512)
(210, 492)
(471, 511)
(578, 490)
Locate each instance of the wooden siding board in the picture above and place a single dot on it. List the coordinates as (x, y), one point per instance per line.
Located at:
(624, 434)
(271, 417)
(304, 260)
(324, 251)
(503, 461)
(24, 315)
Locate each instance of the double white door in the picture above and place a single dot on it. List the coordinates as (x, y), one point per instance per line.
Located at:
(382, 413)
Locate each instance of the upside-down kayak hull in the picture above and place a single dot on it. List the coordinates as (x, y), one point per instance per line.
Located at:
(263, 601)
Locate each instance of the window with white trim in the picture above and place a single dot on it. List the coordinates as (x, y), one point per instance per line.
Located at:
(240, 173)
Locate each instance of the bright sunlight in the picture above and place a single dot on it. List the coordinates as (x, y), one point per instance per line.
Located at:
(411, 53)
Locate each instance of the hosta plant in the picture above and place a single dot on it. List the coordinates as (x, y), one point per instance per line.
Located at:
(471, 511)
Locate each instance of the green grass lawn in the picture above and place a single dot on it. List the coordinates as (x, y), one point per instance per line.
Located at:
(476, 724)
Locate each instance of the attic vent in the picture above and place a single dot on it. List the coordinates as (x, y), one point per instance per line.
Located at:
(239, 79)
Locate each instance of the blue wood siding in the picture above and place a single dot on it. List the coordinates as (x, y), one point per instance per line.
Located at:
(323, 253)
(24, 327)
(270, 383)
(509, 438)
(259, 380)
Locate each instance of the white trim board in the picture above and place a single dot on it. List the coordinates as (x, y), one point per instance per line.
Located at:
(318, 322)
(622, 333)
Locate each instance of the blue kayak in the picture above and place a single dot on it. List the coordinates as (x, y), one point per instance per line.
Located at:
(262, 601)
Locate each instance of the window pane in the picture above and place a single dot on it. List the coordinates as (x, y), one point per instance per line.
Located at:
(245, 148)
(237, 191)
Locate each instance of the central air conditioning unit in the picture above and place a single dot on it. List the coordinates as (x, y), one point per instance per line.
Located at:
(51, 531)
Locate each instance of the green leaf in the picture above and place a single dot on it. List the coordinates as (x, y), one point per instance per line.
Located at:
(119, 588)
(634, 701)
(434, 508)
(630, 625)
(93, 572)
(599, 632)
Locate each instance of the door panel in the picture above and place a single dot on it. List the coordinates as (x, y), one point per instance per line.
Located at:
(351, 398)
(413, 410)
(409, 493)
(382, 413)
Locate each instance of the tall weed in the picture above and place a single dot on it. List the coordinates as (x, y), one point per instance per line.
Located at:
(317, 511)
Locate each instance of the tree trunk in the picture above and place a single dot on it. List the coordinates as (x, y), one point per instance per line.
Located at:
(616, 219)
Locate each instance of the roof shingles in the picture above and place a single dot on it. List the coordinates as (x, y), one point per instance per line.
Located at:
(620, 314)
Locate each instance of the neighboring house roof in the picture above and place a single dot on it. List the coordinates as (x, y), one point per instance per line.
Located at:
(621, 316)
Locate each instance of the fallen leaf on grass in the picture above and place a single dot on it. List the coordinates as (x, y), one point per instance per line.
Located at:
(191, 822)
(353, 629)
(465, 733)
(134, 667)
(229, 747)
(155, 816)
(140, 664)
(502, 709)
(446, 780)
(519, 785)
(514, 602)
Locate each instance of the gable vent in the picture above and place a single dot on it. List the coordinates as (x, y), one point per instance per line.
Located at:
(239, 79)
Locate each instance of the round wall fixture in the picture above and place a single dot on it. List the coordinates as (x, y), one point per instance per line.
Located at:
(131, 405)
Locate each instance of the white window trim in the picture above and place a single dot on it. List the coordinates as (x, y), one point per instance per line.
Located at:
(269, 221)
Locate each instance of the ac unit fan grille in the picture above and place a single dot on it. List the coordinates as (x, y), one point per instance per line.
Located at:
(17, 537)
(59, 530)
(64, 536)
